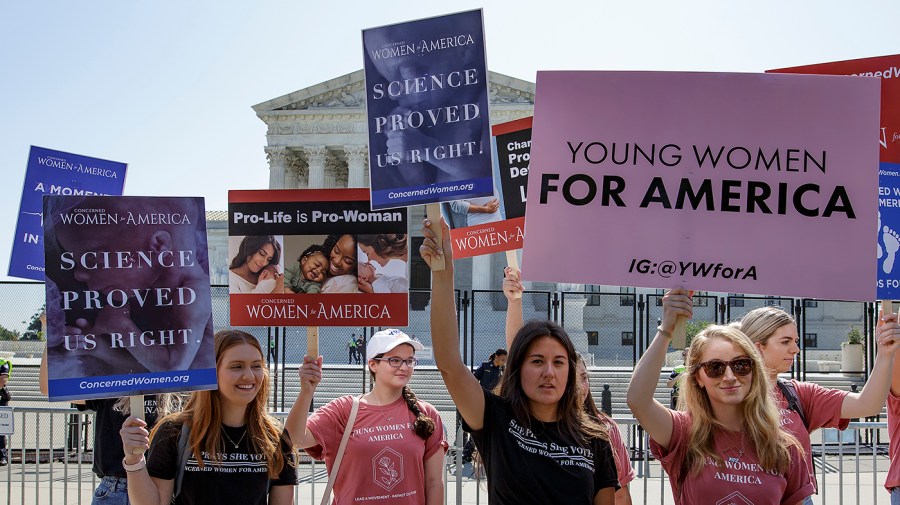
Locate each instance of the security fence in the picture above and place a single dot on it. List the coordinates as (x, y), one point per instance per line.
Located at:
(54, 468)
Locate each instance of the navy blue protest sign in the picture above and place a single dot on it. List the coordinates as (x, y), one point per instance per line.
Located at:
(129, 309)
(427, 104)
(888, 248)
(57, 173)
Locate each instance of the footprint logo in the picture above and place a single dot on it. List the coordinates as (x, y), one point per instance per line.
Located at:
(880, 250)
(891, 246)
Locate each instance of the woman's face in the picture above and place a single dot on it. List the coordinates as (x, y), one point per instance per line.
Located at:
(781, 348)
(545, 372)
(584, 382)
(240, 373)
(261, 258)
(372, 255)
(730, 389)
(343, 257)
(388, 376)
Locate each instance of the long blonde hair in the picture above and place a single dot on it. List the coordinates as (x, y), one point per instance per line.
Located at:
(759, 324)
(204, 413)
(760, 415)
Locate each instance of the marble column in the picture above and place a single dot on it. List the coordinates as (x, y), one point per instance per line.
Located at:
(481, 272)
(315, 158)
(356, 165)
(277, 156)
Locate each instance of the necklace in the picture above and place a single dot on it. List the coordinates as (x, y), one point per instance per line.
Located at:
(235, 444)
(734, 446)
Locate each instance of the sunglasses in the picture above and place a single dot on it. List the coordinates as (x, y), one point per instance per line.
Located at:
(715, 368)
(397, 362)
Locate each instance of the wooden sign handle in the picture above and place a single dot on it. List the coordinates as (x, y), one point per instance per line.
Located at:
(312, 342)
(679, 333)
(137, 411)
(512, 260)
(433, 213)
(887, 307)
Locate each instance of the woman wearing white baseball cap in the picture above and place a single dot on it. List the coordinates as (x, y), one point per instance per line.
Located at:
(395, 444)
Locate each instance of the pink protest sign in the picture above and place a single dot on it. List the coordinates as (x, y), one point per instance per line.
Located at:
(746, 183)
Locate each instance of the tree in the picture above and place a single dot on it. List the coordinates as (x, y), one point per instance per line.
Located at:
(693, 328)
(6, 334)
(33, 330)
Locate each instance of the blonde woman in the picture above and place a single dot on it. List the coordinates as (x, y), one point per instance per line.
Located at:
(727, 443)
(774, 333)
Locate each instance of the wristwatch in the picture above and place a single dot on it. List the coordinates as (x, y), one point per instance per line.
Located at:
(140, 465)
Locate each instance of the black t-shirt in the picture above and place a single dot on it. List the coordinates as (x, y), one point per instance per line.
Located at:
(546, 467)
(5, 397)
(108, 451)
(240, 477)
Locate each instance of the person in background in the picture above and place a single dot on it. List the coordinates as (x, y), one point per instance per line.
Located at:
(488, 374)
(352, 353)
(5, 397)
(674, 379)
(774, 332)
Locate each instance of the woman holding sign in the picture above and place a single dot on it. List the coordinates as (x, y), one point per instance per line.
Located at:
(513, 289)
(537, 443)
(727, 443)
(806, 406)
(396, 443)
(223, 448)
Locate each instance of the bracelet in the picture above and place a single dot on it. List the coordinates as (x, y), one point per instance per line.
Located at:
(664, 333)
(140, 465)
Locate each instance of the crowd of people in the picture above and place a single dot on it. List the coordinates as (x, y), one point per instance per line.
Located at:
(734, 431)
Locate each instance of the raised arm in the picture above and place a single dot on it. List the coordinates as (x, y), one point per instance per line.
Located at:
(462, 385)
(653, 416)
(142, 489)
(514, 315)
(295, 424)
(870, 400)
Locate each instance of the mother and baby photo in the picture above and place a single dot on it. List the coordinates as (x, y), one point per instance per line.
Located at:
(310, 264)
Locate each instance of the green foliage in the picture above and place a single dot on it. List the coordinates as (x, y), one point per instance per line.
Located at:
(6, 334)
(33, 330)
(854, 336)
(693, 328)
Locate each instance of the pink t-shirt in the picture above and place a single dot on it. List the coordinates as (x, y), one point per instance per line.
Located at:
(893, 425)
(384, 459)
(822, 408)
(741, 481)
(620, 452)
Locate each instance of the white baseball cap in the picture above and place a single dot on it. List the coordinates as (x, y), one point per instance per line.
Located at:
(385, 340)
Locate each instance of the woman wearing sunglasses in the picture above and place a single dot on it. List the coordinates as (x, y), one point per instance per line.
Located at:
(395, 453)
(727, 443)
(774, 332)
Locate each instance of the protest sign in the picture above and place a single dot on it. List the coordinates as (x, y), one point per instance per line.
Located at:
(427, 104)
(495, 223)
(747, 183)
(316, 258)
(887, 68)
(129, 310)
(55, 173)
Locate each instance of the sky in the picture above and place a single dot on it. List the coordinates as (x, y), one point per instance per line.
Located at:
(167, 86)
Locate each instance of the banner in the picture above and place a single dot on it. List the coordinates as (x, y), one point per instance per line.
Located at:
(316, 258)
(129, 310)
(744, 183)
(887, 68)
(495, 223)
(427, 104)
(55, 173)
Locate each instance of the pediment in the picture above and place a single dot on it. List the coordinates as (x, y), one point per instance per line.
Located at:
(348, 92)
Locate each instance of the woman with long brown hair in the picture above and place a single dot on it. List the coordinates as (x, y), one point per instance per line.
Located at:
(235, 451)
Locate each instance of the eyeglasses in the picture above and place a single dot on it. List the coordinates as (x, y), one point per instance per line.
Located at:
(397, 362)
(715, 368)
